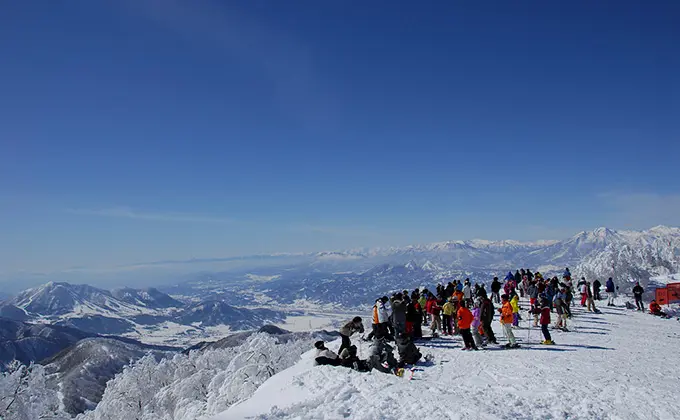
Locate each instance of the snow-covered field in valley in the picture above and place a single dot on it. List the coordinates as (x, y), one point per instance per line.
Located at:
(619, 364)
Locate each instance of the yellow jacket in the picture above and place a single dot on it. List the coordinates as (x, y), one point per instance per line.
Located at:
(515, 304)
(448, 309)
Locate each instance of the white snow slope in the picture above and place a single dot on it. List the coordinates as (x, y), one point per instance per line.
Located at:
(616, 365)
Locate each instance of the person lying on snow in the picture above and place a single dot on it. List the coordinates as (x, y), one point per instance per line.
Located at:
(655, 309)
(324, 356)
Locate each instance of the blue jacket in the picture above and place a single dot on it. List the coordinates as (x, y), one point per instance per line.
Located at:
(510, 276)
(610, 286)
(560, 295)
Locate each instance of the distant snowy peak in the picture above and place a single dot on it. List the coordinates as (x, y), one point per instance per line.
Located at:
(150, 298)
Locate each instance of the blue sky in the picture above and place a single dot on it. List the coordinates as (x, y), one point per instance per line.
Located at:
(136, 131)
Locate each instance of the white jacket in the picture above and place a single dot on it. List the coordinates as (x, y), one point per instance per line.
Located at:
(467, 292)
(325, 353)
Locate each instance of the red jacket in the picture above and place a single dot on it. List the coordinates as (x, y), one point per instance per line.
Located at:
(465, 318)
(654, 307)
(545, 315)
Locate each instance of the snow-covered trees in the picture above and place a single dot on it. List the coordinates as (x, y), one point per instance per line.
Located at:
(26, 395)
(202, 383)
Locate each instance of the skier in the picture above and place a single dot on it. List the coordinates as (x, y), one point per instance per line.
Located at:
(447, 312)
(486, 317)
(514, 302)
(495, 290)
(560, 305)
(637, 292)
(596, 289)
(477, 322)
(589, 298)
(544, 310)
(506, 321)
(465, 319)
(583, 288)
(611, 291)
(355, 325)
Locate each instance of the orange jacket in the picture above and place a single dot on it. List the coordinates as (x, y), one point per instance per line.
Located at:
(464, 318)
(459, 295)
(506, 313)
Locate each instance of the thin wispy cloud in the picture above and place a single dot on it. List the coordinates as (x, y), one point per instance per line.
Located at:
(129, 213)
(636, 210)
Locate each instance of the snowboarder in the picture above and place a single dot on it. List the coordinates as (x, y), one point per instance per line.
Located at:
(465, 319)
(495, 290)
(350, 358)
(408, 352)
(381, 356)
(506, 321)
(611, 291)
(324, 356)
(637, 292)
(351, 327)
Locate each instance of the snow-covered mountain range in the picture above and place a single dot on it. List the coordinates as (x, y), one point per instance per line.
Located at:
(356, 277)
(129, 312)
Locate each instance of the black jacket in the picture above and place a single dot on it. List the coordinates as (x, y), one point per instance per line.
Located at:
(496, 286)
(486, 314)
(638, 290)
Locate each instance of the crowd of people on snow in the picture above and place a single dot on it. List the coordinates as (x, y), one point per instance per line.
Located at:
(460, 308)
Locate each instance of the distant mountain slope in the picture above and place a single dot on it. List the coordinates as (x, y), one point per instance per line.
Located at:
(34, 342)
(212, 312)
(150, 298)
(356, 277)
(634, 256)
(83, 370)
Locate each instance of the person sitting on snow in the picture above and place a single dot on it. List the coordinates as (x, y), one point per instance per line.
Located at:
(655, 308)
(324, 356)
(350, 358)
(408, 352)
